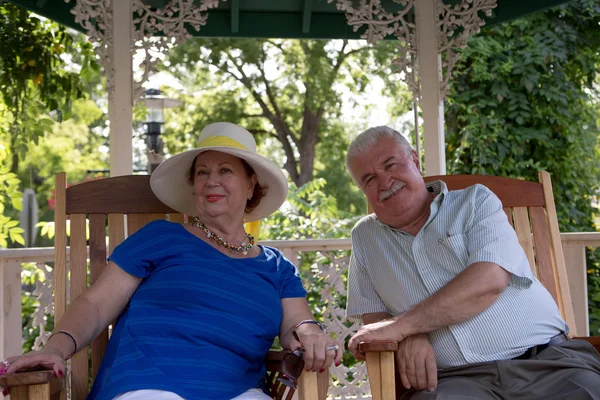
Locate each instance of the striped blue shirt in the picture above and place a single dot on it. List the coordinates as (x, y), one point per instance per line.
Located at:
(391, 271)
(200, 323)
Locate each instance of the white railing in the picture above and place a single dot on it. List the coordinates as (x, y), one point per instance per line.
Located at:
(331, 260)
(574, 245)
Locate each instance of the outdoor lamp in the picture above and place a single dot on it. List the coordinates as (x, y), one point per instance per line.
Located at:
(154, 124)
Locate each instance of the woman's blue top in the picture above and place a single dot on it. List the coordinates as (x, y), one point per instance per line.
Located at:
(200, 323)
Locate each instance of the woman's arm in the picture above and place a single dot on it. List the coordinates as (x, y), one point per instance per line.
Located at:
(84, 319)
(312, 339)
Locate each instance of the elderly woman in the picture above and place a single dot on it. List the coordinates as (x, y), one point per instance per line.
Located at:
(198, 305)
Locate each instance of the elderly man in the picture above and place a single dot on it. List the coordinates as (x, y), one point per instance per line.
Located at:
(443, 273)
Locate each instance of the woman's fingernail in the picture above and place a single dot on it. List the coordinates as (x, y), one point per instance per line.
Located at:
(322, 370)
(431, 388)
(5, 392)
(60, 372)
(337, 364)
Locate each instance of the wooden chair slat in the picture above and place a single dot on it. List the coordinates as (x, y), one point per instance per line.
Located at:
(374, 371)
(388, 375)
(116, 230)
(78, 256)
(60, 245)
(176, 217)
(78, 284)
(561, 277)
(509, 216)
(97, 245)
(135, 221)
(97, 264)
(541, 241)
(523, 230)
(512, 192)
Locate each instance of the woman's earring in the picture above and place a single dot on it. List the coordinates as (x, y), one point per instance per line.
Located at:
(250, 198)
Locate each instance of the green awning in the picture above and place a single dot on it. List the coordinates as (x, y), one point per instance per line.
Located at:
(306, 19)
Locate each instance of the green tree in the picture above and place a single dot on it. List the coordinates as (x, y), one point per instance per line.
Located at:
(523, 99)
(288, 91)
(34, 78)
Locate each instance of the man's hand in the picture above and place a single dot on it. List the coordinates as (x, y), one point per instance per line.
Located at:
(384, 330)
(416, 363)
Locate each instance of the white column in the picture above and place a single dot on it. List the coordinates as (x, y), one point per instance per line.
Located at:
(120, 104)
(577, 273)
(430, 72)
(10, 306)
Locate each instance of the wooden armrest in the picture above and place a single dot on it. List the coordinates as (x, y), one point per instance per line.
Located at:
(32, 378)
(377, 346)
(593, 340)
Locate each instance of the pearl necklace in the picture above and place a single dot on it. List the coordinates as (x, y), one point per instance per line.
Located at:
(243, 248)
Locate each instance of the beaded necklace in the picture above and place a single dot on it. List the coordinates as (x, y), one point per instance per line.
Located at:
(243, 248)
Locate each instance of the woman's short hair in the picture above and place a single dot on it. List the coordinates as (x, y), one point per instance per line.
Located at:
(259, 190)
(367, 139)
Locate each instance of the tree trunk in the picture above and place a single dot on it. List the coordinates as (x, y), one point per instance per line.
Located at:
(301, 169)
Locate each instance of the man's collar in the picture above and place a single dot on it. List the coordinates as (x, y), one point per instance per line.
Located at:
(438, 188)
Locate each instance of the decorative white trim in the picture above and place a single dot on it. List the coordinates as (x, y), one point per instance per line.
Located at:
(172, 21)
(45, 297)
(346, 383)
(456, 25)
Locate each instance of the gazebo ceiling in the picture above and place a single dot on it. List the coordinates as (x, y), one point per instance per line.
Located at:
(306, 19)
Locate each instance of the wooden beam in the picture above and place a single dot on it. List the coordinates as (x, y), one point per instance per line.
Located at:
(235, 16)
(306, 16)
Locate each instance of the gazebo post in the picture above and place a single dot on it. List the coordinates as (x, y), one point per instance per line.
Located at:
(120, 97)
(430, 71)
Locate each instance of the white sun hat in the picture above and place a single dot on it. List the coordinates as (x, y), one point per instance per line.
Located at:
(169, 181)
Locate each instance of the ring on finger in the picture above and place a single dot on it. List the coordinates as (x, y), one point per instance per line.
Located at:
(333, 347)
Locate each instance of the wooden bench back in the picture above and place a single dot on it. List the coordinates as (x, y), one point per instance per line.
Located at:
(530, 209)
(118, 207)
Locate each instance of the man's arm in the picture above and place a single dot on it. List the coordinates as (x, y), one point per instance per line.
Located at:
(371, 318)
(467, 295)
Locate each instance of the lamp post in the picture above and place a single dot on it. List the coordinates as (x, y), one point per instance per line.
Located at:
(154, 125)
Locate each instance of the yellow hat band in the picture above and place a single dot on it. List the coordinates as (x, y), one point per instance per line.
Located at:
(222, 141)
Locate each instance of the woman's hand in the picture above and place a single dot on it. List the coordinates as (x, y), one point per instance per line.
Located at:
(50, 358)
(315, 344)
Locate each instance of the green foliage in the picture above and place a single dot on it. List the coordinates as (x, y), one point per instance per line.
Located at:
(9, 193)
(309, 214)
(33, 76)
(289, 91)
(523, 100)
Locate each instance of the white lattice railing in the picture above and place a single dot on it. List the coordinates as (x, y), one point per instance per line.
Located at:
(329, 261)
(327, 266)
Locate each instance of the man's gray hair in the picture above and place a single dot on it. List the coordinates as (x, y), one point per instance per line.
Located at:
(367, 139)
